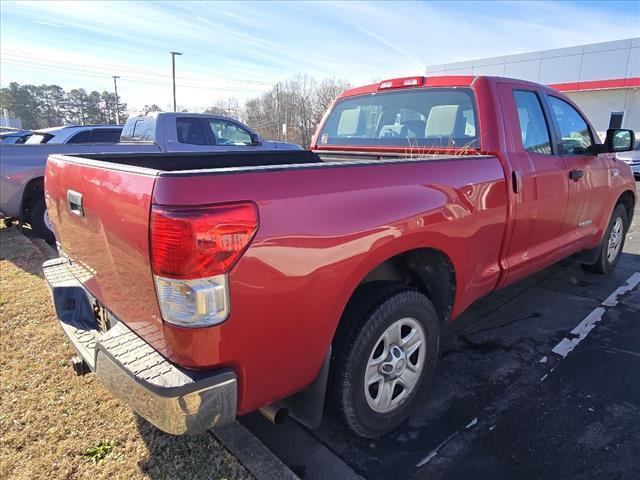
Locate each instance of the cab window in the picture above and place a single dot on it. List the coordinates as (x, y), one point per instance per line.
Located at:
(430, 117)
(575, 136)
(534, 131)
(189, 130)
(139, 130)
(229, 133)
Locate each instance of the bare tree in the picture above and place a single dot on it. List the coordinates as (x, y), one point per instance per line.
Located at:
(298, 102)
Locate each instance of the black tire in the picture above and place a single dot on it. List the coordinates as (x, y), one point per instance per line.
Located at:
(603, 264)
(373, 309)
(36, 220)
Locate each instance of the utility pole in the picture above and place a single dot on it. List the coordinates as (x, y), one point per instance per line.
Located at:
(278, 109)
(115, 86)
(173, 70)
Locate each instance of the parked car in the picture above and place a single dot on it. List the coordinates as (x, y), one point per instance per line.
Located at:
(203, 286)
(22, 169)
(632, 159)
(15, 136)
(73, 134)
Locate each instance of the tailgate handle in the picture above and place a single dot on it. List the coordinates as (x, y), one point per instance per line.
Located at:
(75, 202)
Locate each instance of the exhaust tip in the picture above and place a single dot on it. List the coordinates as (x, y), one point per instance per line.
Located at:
(276, 413)
(80, 367)
(281, 416)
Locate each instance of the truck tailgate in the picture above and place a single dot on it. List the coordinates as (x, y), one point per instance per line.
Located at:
(100, 215)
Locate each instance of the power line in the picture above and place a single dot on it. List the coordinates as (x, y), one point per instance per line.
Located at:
(23, 56)
(127, 78)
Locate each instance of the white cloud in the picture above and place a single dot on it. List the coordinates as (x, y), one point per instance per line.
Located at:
(239, 49)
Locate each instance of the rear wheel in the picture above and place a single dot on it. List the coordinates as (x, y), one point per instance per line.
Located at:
(39, 221)
(384, 359)
(613, 243)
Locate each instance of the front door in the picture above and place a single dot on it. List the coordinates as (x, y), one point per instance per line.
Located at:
(588, 174)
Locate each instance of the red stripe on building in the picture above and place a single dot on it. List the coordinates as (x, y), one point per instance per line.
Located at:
(598, 84)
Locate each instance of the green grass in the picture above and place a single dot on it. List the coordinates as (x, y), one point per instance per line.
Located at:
(100, 451)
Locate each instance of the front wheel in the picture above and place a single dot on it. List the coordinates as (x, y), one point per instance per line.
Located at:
(612, 244)
(382, 368)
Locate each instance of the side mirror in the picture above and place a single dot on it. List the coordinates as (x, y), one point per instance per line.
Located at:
(619, 140)
(256, 140)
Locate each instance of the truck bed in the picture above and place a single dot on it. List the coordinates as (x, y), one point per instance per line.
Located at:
(182, 162)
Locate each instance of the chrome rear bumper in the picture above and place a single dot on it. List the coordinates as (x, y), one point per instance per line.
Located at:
(175, 400)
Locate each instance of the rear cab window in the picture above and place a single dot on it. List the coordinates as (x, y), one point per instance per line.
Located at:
(429, 117)
(140, 130)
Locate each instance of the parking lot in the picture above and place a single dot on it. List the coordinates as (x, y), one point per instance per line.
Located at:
(540, 380)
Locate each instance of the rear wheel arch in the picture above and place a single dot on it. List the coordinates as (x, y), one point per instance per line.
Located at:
(33, 191)
(427, 270)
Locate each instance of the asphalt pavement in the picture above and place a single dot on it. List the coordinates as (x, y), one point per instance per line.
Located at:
(539, 380)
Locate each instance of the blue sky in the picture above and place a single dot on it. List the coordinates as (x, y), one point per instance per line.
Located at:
(238, 49)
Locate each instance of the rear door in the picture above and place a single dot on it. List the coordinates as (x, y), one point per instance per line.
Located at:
(587, 175)
(539, 182)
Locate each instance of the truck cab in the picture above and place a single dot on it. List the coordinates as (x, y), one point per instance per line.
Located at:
(196, 132)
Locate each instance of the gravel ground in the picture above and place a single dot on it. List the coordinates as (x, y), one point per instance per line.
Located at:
(56, 425)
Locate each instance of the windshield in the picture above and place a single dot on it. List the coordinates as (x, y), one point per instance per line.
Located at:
(431, 117)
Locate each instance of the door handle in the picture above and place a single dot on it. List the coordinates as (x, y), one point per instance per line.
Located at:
(75, 202)
(576, 175)
(516, 182)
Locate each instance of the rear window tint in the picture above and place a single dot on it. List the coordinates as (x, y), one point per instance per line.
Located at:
(190, 131)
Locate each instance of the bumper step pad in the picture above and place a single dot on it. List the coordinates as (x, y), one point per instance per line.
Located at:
(174, 399)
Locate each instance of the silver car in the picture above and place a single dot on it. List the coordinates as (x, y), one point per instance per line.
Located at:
(632, 159)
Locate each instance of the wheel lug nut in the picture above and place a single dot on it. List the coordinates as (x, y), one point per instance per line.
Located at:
(387, 368)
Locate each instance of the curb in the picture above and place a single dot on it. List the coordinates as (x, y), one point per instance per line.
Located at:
(252, 453)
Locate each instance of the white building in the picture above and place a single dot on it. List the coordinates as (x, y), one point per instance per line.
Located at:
(602, 78)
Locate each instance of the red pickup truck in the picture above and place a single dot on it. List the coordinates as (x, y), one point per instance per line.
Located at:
(203, 286)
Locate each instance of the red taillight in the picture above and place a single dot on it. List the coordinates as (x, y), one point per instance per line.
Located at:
(198, 242)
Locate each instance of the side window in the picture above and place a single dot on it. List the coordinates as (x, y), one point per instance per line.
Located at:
(189, 130)
(574, 131)
(229, 133)
(105, 135)
(81, 137)
(534, 131)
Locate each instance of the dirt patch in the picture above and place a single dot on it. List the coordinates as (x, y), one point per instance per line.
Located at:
(56, 425)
